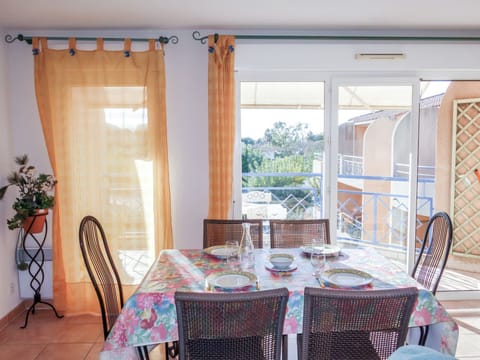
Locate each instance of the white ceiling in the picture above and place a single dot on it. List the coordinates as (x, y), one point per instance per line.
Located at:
(310, 15)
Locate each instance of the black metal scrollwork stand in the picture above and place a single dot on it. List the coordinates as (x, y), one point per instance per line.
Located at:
(35, 268)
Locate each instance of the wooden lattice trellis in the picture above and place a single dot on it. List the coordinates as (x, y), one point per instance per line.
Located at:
(465, 185)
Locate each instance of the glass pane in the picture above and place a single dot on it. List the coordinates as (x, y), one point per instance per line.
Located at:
(372, 167)
(121, 187)
(282, 149)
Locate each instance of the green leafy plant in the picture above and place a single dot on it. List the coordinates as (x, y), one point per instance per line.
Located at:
(35, 191)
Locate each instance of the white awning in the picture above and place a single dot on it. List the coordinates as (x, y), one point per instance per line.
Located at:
(310, 95)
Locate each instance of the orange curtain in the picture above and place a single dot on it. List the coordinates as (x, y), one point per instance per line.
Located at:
(221, 124)
(104, 121)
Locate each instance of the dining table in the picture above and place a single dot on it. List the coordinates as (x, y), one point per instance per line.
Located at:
(149, 318)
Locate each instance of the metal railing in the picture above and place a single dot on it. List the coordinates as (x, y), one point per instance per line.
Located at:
(424, 172)
(376, 218)
(349, 164)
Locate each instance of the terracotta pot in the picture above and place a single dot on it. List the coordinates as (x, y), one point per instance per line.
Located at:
(38, 222)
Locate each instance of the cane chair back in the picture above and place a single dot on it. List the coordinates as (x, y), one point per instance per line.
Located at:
(234, 326)
(295, 233)
(102, 270)
(346, 324)
(104, 276)
(433, 254)
(217, 232)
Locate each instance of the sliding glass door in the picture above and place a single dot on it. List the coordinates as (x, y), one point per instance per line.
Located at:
(374, 150)
(372, 155)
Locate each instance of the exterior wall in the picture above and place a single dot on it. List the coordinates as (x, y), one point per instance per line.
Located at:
(457, 90)
(378, 157)
(427, 133)
(359, 134)
(345, 132)
(354, 205)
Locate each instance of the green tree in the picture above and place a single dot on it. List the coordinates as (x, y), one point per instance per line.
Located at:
(289, 164)
(286, 140)
(282, 149)
(252, 159)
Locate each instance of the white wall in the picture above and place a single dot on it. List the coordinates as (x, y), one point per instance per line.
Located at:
(187, 115)
(8, 272)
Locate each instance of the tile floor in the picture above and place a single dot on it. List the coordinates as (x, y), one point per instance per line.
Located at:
(80, 337)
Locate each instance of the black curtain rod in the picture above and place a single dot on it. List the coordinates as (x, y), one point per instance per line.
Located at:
(203, 39)
(28, 39)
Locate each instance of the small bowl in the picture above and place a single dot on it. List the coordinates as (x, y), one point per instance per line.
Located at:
(281, 261)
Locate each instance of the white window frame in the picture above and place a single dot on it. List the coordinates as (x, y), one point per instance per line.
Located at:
(334, 63)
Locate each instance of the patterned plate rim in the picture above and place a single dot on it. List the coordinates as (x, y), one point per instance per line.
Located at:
(210, 250)
(326, 274)
(251, 277)
(332, 250)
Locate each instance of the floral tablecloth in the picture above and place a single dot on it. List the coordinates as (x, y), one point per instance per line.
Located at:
(149, 315)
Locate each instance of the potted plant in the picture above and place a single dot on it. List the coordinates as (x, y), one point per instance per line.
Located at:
(34, 199)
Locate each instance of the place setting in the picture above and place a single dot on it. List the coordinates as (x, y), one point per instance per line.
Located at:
(235, 278)
(231, 280)
(281, 264)
(338, 277)
(320, 247)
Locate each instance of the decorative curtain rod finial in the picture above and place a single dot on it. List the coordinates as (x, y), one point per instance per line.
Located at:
(165, 40)
(10, 38)
(196, 36)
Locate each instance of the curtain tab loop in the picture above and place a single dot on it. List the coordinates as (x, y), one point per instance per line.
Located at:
(35, 49)
(44, 43)
(151, 44)
(72, 44)
(100, 44)
(127, 47)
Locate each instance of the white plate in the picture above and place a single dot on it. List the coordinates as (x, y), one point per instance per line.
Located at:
(220, 251)
(270, 267)
(232, 279)
(346, 278)
(328, 250)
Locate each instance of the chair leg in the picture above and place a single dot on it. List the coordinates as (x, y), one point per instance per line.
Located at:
(299, 346)
(423, 339)
(143, 353)
(171, 352)
(422, 334)
(285, 347)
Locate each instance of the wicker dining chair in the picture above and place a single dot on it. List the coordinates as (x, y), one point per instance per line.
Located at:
(217, 232)
(294, 233)
(234, 326)
(104, 276)
(432, 257)
(351, 324)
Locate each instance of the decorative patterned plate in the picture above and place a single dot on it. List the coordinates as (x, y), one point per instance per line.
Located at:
(231, 280)
(219, 251)
(328, 250)
(346, 278)
(269, 266)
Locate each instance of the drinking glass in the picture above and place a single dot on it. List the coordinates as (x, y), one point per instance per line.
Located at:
(232, 254)
(317, 257)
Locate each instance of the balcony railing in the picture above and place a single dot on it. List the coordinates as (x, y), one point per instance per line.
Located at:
(376, 218)
(349, 164)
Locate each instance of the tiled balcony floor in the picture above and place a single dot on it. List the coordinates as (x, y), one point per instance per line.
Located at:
(80, 337)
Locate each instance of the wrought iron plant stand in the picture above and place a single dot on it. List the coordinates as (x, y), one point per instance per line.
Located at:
(35, 267)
